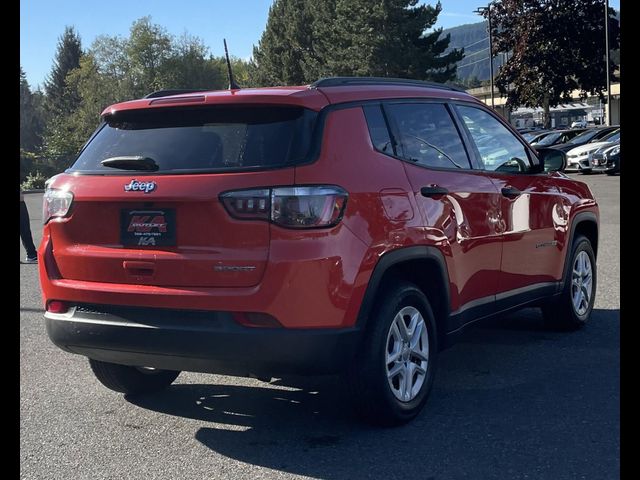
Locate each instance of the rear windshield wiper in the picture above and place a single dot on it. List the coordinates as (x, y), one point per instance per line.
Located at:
(131, 163)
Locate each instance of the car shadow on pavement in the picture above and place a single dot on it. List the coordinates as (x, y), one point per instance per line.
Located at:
(527, 327)
(510, 392)
(27, 309)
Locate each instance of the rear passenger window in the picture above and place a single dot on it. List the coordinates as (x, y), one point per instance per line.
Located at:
(499, 149)
(378, 129)
(427, 135)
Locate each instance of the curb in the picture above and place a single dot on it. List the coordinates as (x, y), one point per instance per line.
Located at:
(36, 190)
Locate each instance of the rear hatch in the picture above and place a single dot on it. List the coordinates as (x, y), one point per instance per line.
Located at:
(146, 207)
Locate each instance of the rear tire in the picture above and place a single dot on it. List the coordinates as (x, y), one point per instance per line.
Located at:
(572, 309)
(392, 374)
(131, 380)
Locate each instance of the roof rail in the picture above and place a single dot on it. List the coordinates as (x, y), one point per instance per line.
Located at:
(168, 92)
(346, 81)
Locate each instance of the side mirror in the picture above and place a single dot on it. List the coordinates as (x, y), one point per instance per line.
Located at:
(552, 160)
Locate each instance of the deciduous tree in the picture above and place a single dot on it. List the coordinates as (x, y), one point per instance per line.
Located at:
(555, 47)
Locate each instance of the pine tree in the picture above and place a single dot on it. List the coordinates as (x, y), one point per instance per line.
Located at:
(284, 46)
(60, 99)
(31, 119)
(307, 39)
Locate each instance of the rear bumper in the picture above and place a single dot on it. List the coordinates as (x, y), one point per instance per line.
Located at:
(306, 285)
(198, 341)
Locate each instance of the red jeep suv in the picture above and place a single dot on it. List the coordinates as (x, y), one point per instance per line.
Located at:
(353, 226)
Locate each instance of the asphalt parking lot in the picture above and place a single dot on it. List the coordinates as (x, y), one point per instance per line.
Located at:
(510, 401)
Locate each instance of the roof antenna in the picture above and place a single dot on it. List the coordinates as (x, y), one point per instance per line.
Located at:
(232, 84)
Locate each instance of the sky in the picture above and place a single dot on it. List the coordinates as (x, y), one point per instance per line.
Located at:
(241, 22)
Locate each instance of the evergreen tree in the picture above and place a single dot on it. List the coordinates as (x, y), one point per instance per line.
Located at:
(284, 46)
(60, 99)
(556, 47)
(31, 116)
(307, 39)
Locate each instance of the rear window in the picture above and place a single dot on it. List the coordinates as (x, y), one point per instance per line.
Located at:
(203, 139)
(612, 137)
(585, 136)
(549, 139)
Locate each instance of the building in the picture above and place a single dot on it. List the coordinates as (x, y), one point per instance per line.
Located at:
(590, 109)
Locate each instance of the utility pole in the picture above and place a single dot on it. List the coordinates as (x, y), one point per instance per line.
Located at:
(606, 46)
(505, 59)
(482, 11)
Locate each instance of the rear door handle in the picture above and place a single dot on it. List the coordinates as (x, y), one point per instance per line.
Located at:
(433, 191)
(511, 192)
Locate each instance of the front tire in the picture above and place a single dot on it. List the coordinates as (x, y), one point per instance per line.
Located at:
(131, 380)
(392, 374)
(572, 309)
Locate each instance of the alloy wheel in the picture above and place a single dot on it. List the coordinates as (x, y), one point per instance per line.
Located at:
(581, 283)
(407, 354)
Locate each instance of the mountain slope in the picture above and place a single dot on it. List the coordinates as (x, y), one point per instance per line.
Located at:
(474, 38)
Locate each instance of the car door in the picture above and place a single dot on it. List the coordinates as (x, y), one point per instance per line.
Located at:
(460, 206)
(533, 210)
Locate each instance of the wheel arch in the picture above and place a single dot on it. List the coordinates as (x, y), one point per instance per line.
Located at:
(585, 224)
(423, 266)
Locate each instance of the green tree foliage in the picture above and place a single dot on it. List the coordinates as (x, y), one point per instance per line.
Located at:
(118, 68)
(31, 116)
(285, 44)
(68, 133)
(190, 66)
(60, 99)
(308, 39)
(556, 47)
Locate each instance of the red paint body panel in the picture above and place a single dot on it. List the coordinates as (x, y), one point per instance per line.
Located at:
(308, 283)
(467, 220)
(298, 96)
(87, 243)
(535, 236)
(307, 278)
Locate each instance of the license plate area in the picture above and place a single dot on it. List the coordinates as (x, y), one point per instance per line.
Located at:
(148, 228)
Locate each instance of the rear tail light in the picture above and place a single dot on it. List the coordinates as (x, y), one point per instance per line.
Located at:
(55, 203)
(248, 204)
(292, 207)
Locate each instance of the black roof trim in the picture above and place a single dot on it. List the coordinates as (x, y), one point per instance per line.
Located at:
(169, 92)
(347, 81)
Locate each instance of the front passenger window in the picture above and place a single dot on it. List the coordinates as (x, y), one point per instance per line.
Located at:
(499, 149)
(428, 136)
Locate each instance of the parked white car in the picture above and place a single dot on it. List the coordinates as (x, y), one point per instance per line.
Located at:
(579, 124)
(578, 158)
